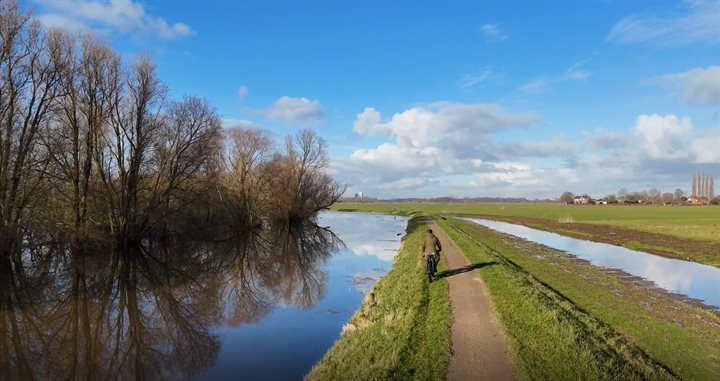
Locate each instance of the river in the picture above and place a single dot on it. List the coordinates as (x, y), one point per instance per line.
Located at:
(261, 306)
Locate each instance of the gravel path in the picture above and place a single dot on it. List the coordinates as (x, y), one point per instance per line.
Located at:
(479, 346)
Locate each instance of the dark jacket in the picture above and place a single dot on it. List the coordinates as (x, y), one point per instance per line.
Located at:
(431, 244)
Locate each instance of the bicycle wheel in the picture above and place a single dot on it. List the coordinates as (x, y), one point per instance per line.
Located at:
(430, 268)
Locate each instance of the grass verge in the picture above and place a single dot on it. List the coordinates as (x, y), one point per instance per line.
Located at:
(402, 329)
(568, 320)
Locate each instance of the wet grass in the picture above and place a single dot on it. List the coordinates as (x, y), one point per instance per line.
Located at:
(402, 330)
(568, 320)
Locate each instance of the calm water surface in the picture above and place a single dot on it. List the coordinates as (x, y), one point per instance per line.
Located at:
(259, 306)
(695, 280)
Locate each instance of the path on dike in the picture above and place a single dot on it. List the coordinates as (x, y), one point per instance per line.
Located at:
(479, 346)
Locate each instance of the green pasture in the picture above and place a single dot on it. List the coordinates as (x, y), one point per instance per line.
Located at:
(693, 222)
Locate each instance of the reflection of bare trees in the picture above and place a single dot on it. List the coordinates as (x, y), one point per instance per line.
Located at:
(145, 312)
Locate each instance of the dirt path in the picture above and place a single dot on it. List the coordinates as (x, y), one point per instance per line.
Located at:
(479, 347)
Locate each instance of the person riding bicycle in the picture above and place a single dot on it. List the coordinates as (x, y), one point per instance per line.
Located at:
(431, 246)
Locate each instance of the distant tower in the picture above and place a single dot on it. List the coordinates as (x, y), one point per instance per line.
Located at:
(359, 195)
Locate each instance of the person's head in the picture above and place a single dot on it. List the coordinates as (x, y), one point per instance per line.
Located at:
(429, 231)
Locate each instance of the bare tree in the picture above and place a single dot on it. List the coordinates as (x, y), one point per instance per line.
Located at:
(30, 80)
(302, 185)
(679, 194)
(654, 195)
(73, 141)
(135, 124)
(622, 195)
(249, 151)
(667, 198)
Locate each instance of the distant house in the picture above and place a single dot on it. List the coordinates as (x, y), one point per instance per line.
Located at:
(583, 200)
(697, 200)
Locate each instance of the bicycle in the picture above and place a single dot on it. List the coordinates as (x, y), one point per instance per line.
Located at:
(430, 266)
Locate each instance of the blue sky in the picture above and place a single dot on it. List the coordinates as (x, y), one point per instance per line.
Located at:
(424, 98)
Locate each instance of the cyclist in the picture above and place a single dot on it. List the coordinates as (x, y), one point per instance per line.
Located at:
(431, 246)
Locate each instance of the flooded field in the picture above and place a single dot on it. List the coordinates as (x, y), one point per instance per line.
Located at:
(258, 306)
(690, 279)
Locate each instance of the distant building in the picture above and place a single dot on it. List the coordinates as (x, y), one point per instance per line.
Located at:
(583, 200)
(359, 195)
(697, 200)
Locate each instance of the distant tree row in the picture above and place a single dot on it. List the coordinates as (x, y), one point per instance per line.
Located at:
(703, 185)
(652, 196)
(90, 145)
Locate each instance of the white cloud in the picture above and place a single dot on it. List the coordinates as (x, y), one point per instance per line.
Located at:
(535, 86)
(669, 138)
(493, 33)
(472, 80)
(435, 141)
(295, 111)
(701, 85)
(698, 23)
(366, 121)
(238, 123)
(541, 85)
(121, 15)
(242, 92)
(447, 125)
(663, 137)
(450, 149)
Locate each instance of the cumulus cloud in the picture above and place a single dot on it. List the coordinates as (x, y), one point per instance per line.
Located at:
(452, 149)
(663, 137)
(671, 138)
(493, 33)
(119, 15)
(697, 23)
(366, 121)
(454, 126)
(701, 86)
(434, 141)
(295, 111)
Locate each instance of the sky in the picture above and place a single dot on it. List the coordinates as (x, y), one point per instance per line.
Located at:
(453, 98)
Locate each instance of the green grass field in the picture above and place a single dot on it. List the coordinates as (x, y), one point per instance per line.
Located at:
(403, 323)
(692, 222)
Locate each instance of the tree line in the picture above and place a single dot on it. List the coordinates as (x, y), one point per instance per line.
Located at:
(652, 196)
(92, 147)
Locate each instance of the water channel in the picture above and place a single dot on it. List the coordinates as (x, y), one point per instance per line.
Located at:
(691, 279)
(261, 306)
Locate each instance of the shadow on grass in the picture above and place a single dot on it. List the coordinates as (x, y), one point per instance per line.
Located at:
(460, 270)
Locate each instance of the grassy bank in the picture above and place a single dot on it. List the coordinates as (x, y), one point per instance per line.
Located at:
(569, 320)
(690, 222)
(402, 330)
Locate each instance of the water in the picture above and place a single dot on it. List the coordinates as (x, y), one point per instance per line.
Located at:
(691, 279)
(261, 306)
